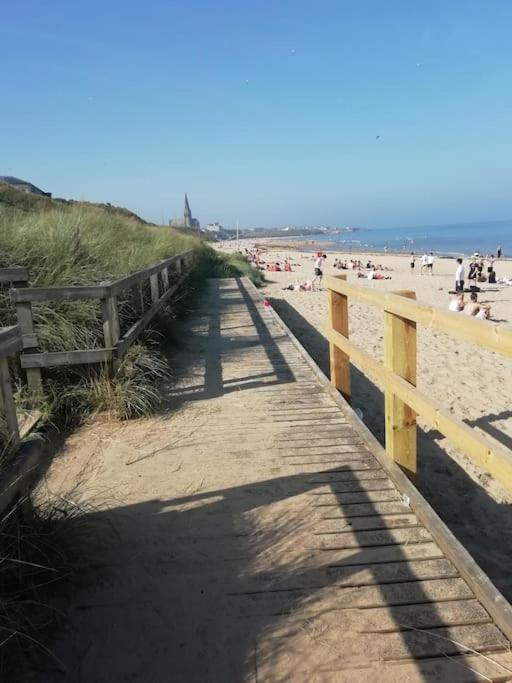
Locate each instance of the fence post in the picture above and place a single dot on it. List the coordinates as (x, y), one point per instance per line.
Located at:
(26, 325)
(339, 360)
(111, 331)
(7, 403)
(165, 278)
(400, 357)
(155, 293)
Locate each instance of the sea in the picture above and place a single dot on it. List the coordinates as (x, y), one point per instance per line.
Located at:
(444, 240)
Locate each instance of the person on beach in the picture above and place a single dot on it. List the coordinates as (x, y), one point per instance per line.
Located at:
(473, 272)
(412, 262)
(480, 268)
(476, 309)
(319, 263)
(424, 260)
(430, 263)
(459, 276)
(498, 252)
(457, 303)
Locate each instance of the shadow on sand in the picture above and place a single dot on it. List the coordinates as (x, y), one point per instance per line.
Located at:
(479, 522)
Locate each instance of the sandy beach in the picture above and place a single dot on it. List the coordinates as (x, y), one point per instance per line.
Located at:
(475, 385)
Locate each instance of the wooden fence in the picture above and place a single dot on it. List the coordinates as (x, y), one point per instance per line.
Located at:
(10, 345)
(164, 279)
(397, 375)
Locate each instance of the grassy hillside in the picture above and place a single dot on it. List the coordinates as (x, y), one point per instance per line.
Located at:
(78, 245)
(13, 197)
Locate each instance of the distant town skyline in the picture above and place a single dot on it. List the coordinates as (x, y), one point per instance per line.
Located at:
(373, 114)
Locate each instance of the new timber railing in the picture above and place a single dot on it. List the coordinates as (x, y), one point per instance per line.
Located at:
(397, 375)
(164, 279)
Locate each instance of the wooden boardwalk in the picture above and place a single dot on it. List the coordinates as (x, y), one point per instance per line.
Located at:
(267, 543)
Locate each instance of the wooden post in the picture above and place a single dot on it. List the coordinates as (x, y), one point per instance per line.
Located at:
(136, 303)
(26, 325)
(111, 331)
(400, 357)
(7, 403)
(165, 278)
(339, 361)
(155, 291)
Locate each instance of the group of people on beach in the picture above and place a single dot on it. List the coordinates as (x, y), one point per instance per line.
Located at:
(472, 307)
(427, 263)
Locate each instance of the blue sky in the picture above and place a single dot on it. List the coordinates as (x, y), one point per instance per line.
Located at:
(264, 111)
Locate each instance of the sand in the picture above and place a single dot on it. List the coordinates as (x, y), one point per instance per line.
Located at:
(475, 385)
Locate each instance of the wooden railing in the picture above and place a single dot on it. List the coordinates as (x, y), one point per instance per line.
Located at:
(397, 375)
(10, 345)
(164, 279)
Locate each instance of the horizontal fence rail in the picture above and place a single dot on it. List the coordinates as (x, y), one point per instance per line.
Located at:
(10, 345)
(164, 279)
(397, 375)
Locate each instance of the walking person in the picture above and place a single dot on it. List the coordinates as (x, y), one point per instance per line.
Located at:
(424, 260)
(498, 252)
(459, 276)
(412, 262)
(430, 263)
(319, 264)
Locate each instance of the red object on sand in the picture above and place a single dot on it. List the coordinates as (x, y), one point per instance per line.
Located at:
(266, 303)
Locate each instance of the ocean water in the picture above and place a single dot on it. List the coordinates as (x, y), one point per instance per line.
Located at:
(441, 239)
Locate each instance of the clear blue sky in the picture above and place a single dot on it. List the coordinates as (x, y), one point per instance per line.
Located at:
(137, 102)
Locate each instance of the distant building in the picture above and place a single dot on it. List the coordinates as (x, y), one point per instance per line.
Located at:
(213, 227)
(187, 221)
(23, 185)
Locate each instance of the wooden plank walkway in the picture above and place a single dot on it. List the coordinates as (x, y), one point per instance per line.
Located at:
(267, 543)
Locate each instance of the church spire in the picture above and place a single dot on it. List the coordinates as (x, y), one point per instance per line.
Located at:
(187, 213)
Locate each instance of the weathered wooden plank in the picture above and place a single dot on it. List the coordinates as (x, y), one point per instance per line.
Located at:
(402, 561)
(14, 274)
(341, 499)
(358, 623)
(367, 509)
(7, 404)
(434, 656)
(395, 571)
(74, 293)
(10, 340)
(350, 475)
(333, 526)
(111, 328)
(341, 540)
(123, 283)
(155, 287)
(26, 325)
(455, 669)
(260, 601)
(370, 484)
(137, 328)
(59, 358)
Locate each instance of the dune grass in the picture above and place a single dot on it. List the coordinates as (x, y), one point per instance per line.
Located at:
(42, 545)
(80, 245)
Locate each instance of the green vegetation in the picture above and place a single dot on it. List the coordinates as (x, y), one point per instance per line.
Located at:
(80, 244)
(233, 265)
(41, 546)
